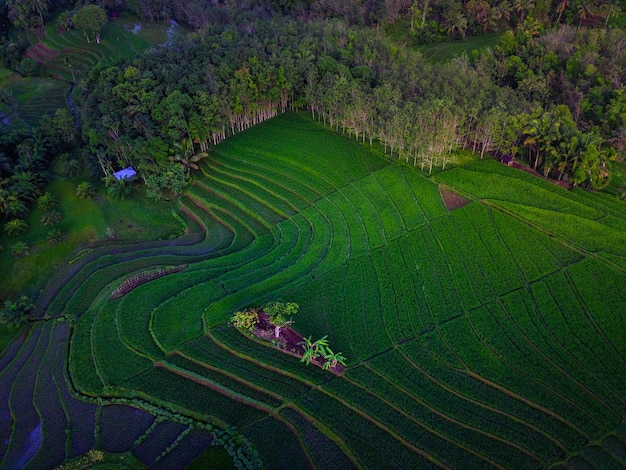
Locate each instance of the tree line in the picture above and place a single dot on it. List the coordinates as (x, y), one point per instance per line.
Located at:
(555, 98)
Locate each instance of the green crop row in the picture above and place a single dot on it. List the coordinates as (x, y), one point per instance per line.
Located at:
(392, 181)
(377, 197)
(501, 189)
(110, 351)
(474, 392)
(373, 445)
(205, 350)
(243, 161)
(230, 385)
(541, 330)
(509, 344)
(167, 386)
(446, 438)
(324, 452)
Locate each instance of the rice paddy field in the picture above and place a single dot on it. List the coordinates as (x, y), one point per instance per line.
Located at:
(489, 336)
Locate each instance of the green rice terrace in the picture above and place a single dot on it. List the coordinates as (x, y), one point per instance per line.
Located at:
(488, 336)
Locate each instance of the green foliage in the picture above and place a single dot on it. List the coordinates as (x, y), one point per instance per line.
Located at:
(28, 67)
(15, 227)
(90, 19)
(47, 202)
(14, 312)
(174, 179)
(279, 312)
(85, 190)
(245, 320)
(52, 218)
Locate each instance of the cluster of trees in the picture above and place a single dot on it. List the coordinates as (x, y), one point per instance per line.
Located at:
(25, 158)
(555, 98)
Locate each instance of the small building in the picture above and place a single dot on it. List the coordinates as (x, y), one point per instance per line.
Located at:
(127, 174)
(507, 159)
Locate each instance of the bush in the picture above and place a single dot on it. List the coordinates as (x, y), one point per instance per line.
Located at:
(15, 312)
(54, 235)
(19, 250)
(245, 320)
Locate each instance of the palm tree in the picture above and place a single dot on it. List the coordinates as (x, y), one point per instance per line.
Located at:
(51, 218)
(47, 202)
(15, 227)
(456, 23)
(186, 155)
(609, 10)
(584, 12)
(560, 9)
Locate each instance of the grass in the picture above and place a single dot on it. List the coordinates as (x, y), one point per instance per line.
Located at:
(399, 32)
(84, 220)
(490, 334)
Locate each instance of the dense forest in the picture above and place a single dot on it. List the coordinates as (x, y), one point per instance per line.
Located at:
(551, 92)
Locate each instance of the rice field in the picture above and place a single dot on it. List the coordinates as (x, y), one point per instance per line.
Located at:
(490, 336)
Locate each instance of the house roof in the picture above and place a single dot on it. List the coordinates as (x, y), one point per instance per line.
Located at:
(128, 172)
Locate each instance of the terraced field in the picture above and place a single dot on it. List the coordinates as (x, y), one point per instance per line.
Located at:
(65, 57)
(487, 336)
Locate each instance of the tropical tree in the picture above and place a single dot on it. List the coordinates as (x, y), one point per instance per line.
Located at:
(584, 12)
(456, 23)
(90, 19)
(47, 202)
(85, 190)
(609, 10)
(14, 312)
(15, 227)
(186, 154)
(279, 312)
(313, 349)
(245, 320)
(19, 249)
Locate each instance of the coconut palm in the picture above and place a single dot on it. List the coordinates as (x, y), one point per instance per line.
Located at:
(609, 10)
(186, 154)
(456, 23)
(584, 12)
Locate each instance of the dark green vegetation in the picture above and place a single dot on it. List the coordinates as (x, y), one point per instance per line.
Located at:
(489, 335)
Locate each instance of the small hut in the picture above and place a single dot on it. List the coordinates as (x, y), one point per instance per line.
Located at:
(127, 174)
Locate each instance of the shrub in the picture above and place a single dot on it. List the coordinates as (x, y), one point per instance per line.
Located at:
(54, 235)
(19, 250)
(28, 67)
(15, 312)
(245, 320)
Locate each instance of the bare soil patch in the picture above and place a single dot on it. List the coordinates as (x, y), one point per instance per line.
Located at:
(451, 199)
